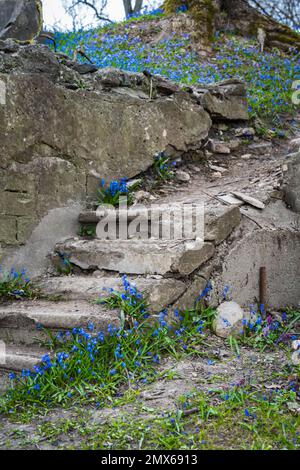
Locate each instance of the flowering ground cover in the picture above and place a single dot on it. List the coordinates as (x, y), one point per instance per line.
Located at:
(15, 285)
(96, 369)
(269, 75)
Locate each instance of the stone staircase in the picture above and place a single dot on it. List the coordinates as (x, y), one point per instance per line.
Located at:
(170, 273)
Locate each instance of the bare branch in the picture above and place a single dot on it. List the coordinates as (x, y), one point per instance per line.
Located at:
(285, 11)
(75, 9)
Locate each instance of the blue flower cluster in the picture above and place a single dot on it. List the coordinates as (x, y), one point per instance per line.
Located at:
(110, 193)
(115, 187)
(269, 75)
(14, 283)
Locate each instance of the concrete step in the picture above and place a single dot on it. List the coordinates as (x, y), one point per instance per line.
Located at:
(159, 292)
(219, 219)
(136, 256)
(18, 358)
(24, 322)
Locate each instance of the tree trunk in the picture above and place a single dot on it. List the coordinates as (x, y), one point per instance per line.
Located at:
(138, 6)
(129, 9)
(235, 16)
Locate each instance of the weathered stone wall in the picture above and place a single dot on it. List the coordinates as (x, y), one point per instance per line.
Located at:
(63, 126)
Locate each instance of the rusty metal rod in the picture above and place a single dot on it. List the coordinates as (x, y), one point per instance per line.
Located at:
(263, 287)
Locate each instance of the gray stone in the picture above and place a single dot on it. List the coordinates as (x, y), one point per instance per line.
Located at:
(245, 132)
(246, 156)
(261, 148)
(141, 196)
(219, 147)
(291, 182)
(182, 176)
(9, 46)
(228, 320)
(84, 69)
(20, 19)
(233, 144)
(295, 144)
(225, 100)
(219, 169)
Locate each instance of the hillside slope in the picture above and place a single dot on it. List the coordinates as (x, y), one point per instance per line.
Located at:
(164, 45)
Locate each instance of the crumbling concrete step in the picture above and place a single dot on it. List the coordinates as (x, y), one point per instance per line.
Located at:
(25, 322)
(136, 256)
(19, 358)
(159, 292)
(220, 220)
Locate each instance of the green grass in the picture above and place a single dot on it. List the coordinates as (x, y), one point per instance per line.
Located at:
(237, 419)
(91, 367)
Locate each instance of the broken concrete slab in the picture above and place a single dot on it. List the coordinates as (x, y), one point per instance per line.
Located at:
(230, 200)
(220, 221)
(249, 200)
(135, 256)
(159, 292)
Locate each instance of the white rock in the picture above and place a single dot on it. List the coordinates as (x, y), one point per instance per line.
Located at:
(141, 196)
(182, 176)
(296, 358)
(295, 143)
(234, 144)
(229, 319)
(296, 344)
(246, 156)
(245, 132)
(219, 169)
(219, 147)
